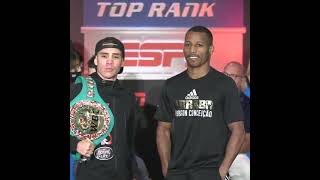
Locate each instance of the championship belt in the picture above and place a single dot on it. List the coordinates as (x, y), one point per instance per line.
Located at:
(90, 117)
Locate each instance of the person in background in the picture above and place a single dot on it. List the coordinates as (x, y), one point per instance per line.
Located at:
(91, 65)
(240, 168)
(76, 65)
(245, 86)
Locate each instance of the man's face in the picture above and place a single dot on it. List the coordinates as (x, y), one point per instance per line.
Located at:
(75, 66)
(236, 73)
(196, 49)
(108, 62)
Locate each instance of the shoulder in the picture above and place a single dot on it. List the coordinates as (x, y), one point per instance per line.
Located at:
(75, 89)
(217, 75)
(221, 80)
(75, 86)
(176, 79)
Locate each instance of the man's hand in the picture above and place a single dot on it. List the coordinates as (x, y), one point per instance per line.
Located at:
(233, 147)
(164, 145)
(85, 148)
(165, 170)
(223, 172)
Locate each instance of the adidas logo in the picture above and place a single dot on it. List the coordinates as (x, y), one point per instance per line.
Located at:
(192, 95)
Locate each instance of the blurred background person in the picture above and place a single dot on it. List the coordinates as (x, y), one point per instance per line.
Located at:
(91, 65)
(240, 168)
(76, 65)
(245, 86)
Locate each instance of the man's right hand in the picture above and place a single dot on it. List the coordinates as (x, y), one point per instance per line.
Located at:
(85, 148)
(165, 170)
(164, 145)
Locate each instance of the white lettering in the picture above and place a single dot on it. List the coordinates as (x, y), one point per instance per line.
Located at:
(195, 10)
(133, 8)
(205, 9)
(120, 9)
(115, 8)
(157, 8)
(181, 113)
(200, 113)
(102, 8)
(175, 9)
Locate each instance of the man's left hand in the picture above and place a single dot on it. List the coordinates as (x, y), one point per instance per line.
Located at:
(223, 172)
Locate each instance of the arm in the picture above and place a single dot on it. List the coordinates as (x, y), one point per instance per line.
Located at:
(164, 145)
(246, 110)
(245, 147)
(233, 146)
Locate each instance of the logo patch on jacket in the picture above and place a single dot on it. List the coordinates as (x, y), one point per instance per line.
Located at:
(104, 153)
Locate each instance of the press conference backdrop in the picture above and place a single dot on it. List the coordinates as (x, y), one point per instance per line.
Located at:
(153, 34)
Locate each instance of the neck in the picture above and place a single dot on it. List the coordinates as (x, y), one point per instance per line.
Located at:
(199, 72)
(107, 79)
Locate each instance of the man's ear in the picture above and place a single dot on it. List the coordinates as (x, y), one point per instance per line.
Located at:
(122, 62)
(211, 49)
(95, 61)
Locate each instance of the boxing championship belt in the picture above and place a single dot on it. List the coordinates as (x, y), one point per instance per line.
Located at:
(90, 117)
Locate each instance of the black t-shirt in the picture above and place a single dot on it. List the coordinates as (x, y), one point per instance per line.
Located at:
(199, 110)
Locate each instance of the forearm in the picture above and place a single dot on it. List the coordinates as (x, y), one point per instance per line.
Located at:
(245, 147)
(164, 147)
(233, 148)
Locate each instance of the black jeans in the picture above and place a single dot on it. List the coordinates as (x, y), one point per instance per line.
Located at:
(199, 174)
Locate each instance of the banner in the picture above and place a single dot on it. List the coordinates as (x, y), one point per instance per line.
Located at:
(153, 32)
(165, 13)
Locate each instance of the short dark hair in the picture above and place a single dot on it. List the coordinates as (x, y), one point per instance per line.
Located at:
(204, 30)
(91, 62)
(75, 55)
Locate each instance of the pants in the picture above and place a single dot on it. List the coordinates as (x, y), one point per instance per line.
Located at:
(201, 174)
(240, 168)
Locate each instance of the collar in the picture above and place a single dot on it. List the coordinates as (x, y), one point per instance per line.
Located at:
(102, 82)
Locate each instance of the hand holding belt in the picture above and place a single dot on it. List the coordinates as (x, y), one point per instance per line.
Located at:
(90, 117)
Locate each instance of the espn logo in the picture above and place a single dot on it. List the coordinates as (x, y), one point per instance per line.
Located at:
(152, 53)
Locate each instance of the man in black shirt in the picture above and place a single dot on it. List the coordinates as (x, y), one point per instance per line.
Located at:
(200, 120)
(107, 115)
